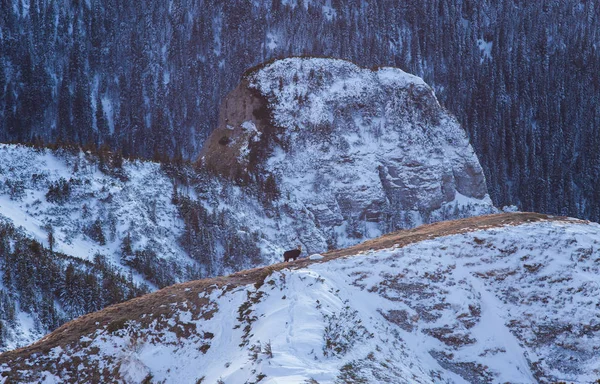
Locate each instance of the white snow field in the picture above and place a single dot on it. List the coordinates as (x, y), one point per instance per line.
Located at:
(513, 304)
(139, 205)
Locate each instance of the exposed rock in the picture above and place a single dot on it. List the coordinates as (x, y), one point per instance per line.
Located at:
(242, 120)
(355, 146)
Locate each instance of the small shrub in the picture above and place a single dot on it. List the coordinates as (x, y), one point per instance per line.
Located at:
(343, 330)
(116, 325)
(350, 374)
(255, 349)
(95, 232)
(268, 350)
(16, 189)
(58, 192)
(224, 140)
(204, 348)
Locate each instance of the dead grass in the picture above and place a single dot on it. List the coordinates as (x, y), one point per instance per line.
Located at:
(158, 303)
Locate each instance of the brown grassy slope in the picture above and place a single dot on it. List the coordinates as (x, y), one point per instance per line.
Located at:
(153, 303)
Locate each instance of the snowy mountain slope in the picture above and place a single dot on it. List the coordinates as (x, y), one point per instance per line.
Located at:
(505, 298)
(89, 207)
(324, 184)
(88, 210)
(401, 161)
(365, 151)
(527, 95)
(42, 289)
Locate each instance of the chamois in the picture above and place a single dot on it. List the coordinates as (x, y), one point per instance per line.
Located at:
(293, 254)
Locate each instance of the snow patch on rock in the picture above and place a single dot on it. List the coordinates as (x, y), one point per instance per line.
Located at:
(360, 146)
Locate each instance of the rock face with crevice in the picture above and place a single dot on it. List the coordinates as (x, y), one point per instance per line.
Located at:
(363, 150)
(242, 120)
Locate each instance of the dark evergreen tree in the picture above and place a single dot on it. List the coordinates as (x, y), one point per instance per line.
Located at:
(51, 240)
(101, 122)
(126, 248)
(53, 287)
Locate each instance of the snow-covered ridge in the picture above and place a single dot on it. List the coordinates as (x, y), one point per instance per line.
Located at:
(377, 158)
(503, 304)
(158, 224)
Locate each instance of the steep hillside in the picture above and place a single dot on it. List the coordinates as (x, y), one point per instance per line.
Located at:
(148, 76)
(132, 221)
(502, 298)
(381, 154)
(352, 162)
(93, 204)
(366, 152)
(82, 231)
(41, 289)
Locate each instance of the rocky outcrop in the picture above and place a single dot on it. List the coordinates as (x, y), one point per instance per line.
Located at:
(243, 119)
(364, 150)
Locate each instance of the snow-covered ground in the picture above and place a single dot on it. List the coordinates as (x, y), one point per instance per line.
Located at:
(361, 153)
(135, 203)
(516, 304)
(373, 151)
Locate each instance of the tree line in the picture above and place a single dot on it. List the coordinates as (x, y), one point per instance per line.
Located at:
(146, 78)
(52, 287)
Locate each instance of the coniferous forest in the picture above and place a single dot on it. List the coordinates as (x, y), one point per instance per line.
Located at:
(53, 286)
(147, 77)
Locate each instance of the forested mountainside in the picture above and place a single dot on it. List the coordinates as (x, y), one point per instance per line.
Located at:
(155, 224)
(41, 289)
(147, 77)
(492, 299)
(163, 223)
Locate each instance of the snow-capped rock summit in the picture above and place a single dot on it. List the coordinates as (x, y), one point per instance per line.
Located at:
(370, 149)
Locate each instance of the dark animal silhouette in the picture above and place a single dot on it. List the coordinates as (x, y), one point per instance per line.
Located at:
(293, 254)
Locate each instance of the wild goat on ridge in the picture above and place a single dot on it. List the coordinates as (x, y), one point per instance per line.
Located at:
(293, 254)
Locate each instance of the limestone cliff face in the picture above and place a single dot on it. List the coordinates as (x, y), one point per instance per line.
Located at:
(364, 151)
(243, 118)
